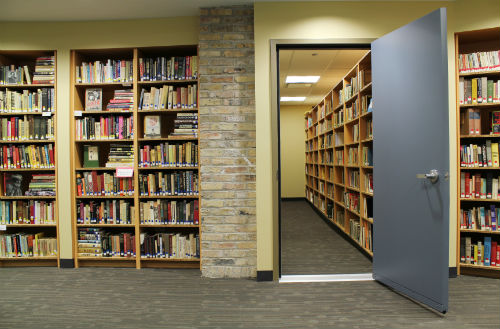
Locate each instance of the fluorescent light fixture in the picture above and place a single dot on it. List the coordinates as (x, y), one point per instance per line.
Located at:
(302, 79)
(292, 99)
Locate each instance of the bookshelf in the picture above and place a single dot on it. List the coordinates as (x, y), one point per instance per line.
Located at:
(29, 227)
(144, 211)
(478, 78)
(339, 148)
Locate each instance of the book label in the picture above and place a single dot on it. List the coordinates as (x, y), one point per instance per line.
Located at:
(3, 227)
(78, 113)
(46, 114)
(124, 171)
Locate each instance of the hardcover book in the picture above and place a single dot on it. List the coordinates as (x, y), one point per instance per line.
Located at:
(90, 156)
(93, 99)
(152, 126)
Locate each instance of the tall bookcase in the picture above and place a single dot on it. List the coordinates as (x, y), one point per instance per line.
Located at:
(160, 214)
(29, 228)
(478, 78)
(339, 148)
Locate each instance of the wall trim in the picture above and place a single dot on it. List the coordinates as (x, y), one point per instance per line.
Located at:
(264, 276)
(67, 263)
(452, 271)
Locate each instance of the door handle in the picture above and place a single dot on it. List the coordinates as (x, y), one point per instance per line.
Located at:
(432, 176)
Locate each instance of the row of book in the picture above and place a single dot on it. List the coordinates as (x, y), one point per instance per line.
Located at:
(368, 207)
(478, 90)
(483, 61)
(169, 183)
(369, 128)
(483, 252)
(340, 217)
(25, 128)
(339, 157)
(480, 218)
(105, 127)
(351, 201)
(105, 72)
(355, 132)
(169, 97)
(42, 185)
(352, 112)
(368, 186)
(170, 245)
(169, 155)
(92, 183)
(367, 156)
(185, 125)
(105, 212)
(479, 186)
(120, 155)
(353, 178)
(352, 156)
(168, 68)
(41, 100)
(27, 212)
(479, 155)
(27, 245)
(339, 138)
(123, 100)
(27, 156)
(361, 232)
(163, 211)
(366, 104)
(95, 242)
(350, 89)
(43, 73)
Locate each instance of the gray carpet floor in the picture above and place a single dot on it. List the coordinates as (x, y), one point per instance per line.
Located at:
(152, 298)
(310, 246)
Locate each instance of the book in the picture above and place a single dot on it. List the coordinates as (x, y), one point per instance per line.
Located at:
(495, 122)
(90, 156)
(13, 184)
(93, 99)
(152, 126)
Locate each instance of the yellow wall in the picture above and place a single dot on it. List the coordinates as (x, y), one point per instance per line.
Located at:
(292, 152)
(322, 20)
(64, 36)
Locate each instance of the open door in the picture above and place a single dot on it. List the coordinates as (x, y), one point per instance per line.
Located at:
(411, 160)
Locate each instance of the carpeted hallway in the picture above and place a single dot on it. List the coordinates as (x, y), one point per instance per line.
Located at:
(310, 246)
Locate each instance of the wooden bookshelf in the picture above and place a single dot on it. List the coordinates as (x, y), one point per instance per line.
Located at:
(28, 112)
(140, 86)
(471, 42)
(339, 129)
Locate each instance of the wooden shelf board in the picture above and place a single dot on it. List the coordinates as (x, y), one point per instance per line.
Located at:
(354, 120)
(370, 220)
(478, 231)
(104, 141)
(479, 168)
(170, 225)
(159, 82)
(169, 168)
(338, 146)
(339, 203)
(367, 193)
(479, 136)
(104, 84)
(478, 73)
(23, 113)
(105, 225)
(366, 88)
(169, 197)
(106, 258)
(367, 140)
(353, 98)
(170, 259)
(339, 127)
(351, 143)
(97, 197)
(480, 200)
(168, 110)
(168, 139)
(353, 189)
(367, 167)
(479, 105)
(366, 114)
(29, 169)
(29, 141)
(29, 258)
(493, 268)
(32, 225)
(351, 166)
(353, 212)
(24, 197)
(45, 85)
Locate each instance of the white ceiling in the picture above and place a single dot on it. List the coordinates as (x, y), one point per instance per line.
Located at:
(91, 10)
(330, 65)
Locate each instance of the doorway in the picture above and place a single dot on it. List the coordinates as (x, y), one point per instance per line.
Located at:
(312, 243)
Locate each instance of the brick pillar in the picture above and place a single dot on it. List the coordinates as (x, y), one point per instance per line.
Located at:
(227, 142)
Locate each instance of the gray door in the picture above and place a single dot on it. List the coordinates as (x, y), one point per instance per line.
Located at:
(410, 109)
